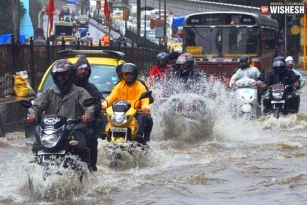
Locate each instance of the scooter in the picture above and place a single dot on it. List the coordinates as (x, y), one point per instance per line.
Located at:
(55, 143)
(122, 128)
(247, 98)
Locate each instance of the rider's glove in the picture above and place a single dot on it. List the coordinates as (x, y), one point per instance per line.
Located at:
(31, 117)
(86, 117)
(104, 105)
(145, 110)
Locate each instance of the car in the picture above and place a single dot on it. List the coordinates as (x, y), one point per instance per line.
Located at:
(82, 21)
(65, 10)
(69, 40)
(103, 64)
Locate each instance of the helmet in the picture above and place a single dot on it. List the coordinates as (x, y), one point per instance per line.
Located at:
(279, 66)
(82, 63)
(185, 59)
(279, 58)
(173, 55)
(244, 61)
(130, 68)
(289, 60)
(66, 71)
(162, 56)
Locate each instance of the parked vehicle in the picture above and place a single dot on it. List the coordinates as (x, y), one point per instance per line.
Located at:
(103, 64)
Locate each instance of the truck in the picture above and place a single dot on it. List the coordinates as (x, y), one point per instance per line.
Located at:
(66, 30)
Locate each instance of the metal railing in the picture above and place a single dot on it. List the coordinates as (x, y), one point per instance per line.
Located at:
(35, 59)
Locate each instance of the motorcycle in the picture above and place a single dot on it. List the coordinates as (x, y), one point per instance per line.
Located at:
(55, 143)
(277, 94)
(122, 128)
(247, 97)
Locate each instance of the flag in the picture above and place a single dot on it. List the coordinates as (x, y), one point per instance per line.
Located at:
(50, 11)
(106, 10)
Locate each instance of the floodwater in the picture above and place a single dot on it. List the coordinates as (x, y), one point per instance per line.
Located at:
(209, 159)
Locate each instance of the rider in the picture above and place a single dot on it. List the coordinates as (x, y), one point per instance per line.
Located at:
(160, 70)
(173, 56)
(130, 89)
(280, 74)
(290, 65)
(121, 40)
(66, 100)
(83, 72)
(245, 71)
(188, 69)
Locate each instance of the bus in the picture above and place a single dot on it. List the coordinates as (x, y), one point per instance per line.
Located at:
(217, 39)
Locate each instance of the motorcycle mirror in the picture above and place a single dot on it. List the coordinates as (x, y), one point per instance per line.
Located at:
(26, 103)
(89, 101)
(146, 94)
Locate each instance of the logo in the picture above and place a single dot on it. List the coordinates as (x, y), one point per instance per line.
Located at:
(120, 103)
(51, 121)
(264, 10)
(283, 8)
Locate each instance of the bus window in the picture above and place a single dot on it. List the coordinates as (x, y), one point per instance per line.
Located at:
(240, 41)
(207, 38)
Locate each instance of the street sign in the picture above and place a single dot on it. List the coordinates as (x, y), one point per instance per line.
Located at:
(39, 32)
(126, 13)
(295, 29)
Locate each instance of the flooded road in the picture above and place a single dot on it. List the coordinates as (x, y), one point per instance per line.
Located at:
(217, 159)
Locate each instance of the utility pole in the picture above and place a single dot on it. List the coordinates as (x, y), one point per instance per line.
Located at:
(164, 28)
(286, 29)
(16, 21)
(138, 16)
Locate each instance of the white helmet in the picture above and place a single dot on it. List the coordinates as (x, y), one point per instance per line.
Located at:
(289, 60)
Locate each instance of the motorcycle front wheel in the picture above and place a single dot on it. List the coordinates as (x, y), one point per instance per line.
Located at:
(276, 113)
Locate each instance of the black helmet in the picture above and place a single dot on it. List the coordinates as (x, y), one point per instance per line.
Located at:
(82, 63)
(130, 68)
(279, 58)
(162, 56)
(244, 61)
(173, 55)
(66, 69)
(185, 59)
(279, 66)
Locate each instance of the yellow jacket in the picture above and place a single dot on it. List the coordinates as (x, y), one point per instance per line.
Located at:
(130, 93)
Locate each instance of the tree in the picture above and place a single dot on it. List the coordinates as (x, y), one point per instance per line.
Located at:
(6, 14)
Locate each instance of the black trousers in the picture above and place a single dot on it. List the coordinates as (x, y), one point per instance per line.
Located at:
(145, 126)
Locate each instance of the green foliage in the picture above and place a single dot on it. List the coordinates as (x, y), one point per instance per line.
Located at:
(6, 15)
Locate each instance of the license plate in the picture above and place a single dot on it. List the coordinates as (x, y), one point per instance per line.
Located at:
(42, 152)
(278, 101)
(118, 129)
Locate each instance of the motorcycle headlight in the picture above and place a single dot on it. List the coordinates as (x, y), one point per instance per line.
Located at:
(277, 96)
(119, 118)
(50, 138)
